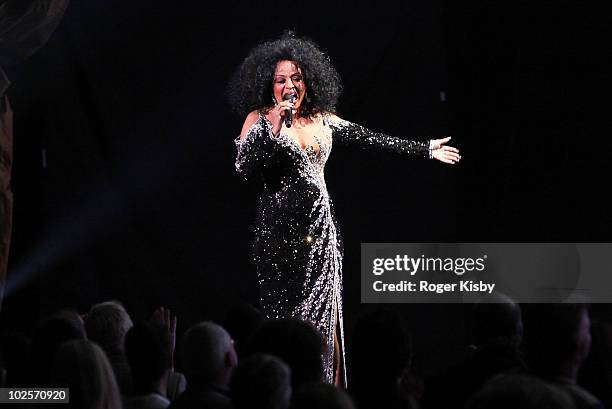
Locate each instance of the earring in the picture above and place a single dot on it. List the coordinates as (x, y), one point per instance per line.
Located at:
(274, 101)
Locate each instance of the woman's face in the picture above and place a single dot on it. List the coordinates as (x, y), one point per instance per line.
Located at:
(288, 79)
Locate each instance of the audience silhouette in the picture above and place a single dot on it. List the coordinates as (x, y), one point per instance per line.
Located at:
(107, 324)
(261, 382)
(82, 367)
(281, 361)
(209, 358)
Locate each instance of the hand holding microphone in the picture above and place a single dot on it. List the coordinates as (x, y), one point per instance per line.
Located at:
(282, 113)
(289, 114)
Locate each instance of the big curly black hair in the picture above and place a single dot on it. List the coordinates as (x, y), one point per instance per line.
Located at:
(251, 84)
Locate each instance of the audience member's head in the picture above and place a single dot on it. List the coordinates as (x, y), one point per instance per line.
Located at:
(595, 373)
(261, 382)
(48, 335)
(321, 396)
(557, 338)
(519, 391)
(381, 348)
(296, 342)
(208, 356)
(241, 322)
(147, 346)
(496, 318)
(106, 324)
(83, 367)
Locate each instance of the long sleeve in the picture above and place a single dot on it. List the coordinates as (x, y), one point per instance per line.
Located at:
(255, 149)
(348, 133)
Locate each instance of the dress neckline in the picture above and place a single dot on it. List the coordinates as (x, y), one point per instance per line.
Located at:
(307, 149)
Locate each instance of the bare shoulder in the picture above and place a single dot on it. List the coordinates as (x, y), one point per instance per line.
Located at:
(251, 118)
(330, 116)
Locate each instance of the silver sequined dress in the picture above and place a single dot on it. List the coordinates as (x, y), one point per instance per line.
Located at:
(298, 248)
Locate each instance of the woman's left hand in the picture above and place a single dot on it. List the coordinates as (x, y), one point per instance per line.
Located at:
(446, 154)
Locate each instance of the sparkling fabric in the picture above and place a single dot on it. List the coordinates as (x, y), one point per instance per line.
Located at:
(298, 248)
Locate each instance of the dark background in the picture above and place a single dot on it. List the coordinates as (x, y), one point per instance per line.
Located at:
(123, 172)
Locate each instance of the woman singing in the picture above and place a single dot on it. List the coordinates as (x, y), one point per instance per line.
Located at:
(288, 90)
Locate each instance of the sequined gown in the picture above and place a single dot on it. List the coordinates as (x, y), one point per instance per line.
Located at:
(297, 248)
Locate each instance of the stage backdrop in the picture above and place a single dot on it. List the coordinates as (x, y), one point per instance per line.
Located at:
(124, 158)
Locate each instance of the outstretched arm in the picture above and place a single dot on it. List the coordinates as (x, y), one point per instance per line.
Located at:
(346, 132)
(349, 133)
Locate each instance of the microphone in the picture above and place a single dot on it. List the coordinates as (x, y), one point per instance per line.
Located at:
(289, 114)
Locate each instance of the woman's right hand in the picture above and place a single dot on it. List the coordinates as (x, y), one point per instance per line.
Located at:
(277, 115)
